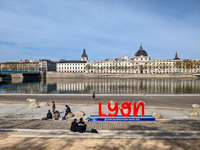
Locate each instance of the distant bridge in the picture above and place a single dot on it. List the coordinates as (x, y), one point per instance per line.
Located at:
(6, 72)
(18, 74)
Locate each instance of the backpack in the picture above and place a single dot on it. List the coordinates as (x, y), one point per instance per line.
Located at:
(93, 131)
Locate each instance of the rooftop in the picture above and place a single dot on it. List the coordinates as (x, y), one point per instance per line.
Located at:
(71, 61)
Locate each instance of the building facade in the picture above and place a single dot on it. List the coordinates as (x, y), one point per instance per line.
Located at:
(20, 66)
(47, 65)
(141, 63)
(73, 65)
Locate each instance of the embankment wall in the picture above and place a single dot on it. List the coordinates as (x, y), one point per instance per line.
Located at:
(90, 75)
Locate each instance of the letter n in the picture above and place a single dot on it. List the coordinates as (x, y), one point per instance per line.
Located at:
(136, 109)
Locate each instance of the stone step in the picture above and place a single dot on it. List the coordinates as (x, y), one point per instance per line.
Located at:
(96, 136)
(102, 133)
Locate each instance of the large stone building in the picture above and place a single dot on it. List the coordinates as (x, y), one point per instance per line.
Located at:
(20, 66)
(73, 65)
(140, 63)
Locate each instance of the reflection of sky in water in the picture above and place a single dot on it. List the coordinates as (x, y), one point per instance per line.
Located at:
(103, 86)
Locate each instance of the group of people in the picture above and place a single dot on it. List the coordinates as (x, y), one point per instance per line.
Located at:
(56, 113)
(78, 127)
(75, 127)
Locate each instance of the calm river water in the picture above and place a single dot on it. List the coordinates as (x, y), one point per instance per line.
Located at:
(103, 86)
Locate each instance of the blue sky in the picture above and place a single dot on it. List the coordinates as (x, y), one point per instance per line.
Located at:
(36, 29)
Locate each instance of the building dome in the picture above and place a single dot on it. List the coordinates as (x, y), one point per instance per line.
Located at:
(141, 52)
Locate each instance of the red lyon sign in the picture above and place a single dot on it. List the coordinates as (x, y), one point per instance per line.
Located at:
(124, 105)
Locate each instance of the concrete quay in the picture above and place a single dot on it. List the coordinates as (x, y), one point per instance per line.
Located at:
(22, 111)
(22, 128)
(171, 101)
(174, 108)
(101, 75)
(20, 116)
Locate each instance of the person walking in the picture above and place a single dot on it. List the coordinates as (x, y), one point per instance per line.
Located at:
(93, 95)
(67, 110)
(143, 91)
(53, 107)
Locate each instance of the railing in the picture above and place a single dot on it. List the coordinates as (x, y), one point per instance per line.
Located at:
(18, 71)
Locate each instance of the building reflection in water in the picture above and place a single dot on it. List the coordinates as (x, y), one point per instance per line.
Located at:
(104, 86)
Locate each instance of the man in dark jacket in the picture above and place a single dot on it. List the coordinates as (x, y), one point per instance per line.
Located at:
(74, 126)
(49, 115)
(67, 110)
(81, 126)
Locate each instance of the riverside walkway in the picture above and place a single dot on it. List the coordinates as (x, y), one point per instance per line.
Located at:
(20, 116)
(151, 100)
(22, 128)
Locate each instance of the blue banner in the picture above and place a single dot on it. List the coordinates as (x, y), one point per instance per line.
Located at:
(92, 116)
(120, 118)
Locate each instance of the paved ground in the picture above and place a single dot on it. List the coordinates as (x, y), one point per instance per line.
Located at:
(181, 120)
(109, 134)
(159, 125)
(12, 117)
(173, 107)
(181, 123)
(173, 101)
(8, 143)
(22, 111)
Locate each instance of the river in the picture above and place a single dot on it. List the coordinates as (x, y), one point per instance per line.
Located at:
(104, 86)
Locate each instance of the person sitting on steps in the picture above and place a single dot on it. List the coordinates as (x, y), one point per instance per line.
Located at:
(74, 126)
(49, 115)
(81, 126)
(57, 115)
(68, 110)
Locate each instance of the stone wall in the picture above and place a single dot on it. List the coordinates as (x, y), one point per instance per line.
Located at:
(43, 74)
(18, 75)
(31, 76)
(90, 75)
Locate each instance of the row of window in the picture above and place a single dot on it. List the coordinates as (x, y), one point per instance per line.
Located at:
(127, 63)
(153, 71)
(114, 64)
(70, 71)
(122, 71)
(70, 64)
(141, 59)
(109, 69)
(108, 64)
(70, 67)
